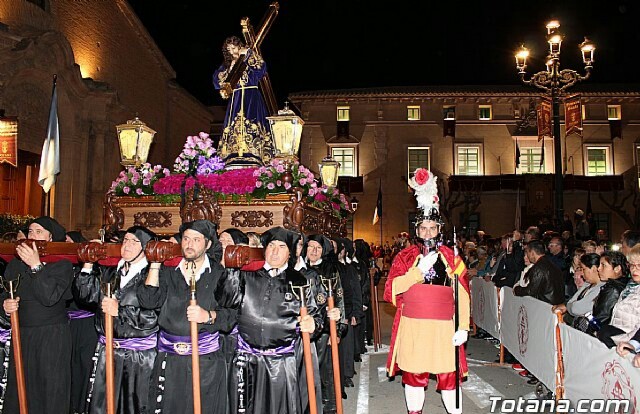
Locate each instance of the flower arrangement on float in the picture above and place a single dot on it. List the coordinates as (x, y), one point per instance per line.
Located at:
(138, 181)
(198, 163)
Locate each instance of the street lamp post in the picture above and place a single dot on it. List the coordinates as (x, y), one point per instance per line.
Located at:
(555, 82)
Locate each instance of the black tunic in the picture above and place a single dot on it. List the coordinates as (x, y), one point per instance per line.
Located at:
(171, 388)
(133, 368)
(45, 335)
(84, 339)
(352, 309)
(329, 274)
(268, 319)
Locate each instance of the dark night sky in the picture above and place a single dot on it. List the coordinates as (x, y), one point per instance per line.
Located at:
(336, 44)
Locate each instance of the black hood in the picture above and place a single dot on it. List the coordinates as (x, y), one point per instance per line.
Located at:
(58, 233)
(237, 236)
(143, 234)
(288, 237)
(210, 232)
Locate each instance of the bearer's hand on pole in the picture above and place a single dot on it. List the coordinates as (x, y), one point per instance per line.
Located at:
(460, 337)
(196, 314)
(110, 307)
(623, 348)
(334, 314)
(28, 254)
(11, 305)
(307, 324)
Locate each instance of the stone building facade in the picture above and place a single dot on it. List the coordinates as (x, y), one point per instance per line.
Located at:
(382, 134)
(109, 70)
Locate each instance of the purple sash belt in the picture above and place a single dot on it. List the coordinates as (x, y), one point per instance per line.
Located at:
(243, 346)
(135, 344)
(181, 345)
(5, 334)
(79, 314)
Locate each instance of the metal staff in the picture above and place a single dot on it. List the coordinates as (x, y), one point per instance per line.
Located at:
(195, 355)
(335, 357)
(306, 346)
(456, 318)
(17, 352)
(108, 334)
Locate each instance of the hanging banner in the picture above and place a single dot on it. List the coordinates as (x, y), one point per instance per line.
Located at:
(484, 306)
(573, 115)
(9, 140)
(593, 371)
(544, 119)
(527, 330)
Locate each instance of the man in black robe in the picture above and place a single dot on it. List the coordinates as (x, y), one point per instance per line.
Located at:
(269, 369)
(168, 289)
(134, 328)
(352, 307)
(42, 292)
(318, 249)
(84, 339)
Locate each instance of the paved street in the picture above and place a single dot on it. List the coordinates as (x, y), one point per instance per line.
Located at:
(375, 393)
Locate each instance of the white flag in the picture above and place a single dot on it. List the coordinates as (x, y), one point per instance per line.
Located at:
(50, 159)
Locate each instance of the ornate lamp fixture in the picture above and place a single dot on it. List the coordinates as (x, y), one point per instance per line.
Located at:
(354, 203)
(135, 139)
(286, 128)
(555, 81)
(329, 171)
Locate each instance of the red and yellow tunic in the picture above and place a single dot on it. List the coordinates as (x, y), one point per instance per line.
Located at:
(423, 328)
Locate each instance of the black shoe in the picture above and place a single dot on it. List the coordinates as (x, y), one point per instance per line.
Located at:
(533, 381)
(344, 395)
(357, 359)
(348, 382)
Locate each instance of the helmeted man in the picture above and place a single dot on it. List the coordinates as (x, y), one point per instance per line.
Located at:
(421, 286)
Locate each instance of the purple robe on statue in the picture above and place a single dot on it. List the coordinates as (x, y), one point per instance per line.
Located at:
(246, 138)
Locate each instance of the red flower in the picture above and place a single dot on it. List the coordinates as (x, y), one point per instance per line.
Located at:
(422, 176)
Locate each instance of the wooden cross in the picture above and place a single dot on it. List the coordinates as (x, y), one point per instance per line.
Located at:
(253, 41)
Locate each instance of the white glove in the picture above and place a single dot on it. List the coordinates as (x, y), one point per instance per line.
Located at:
(460, 337)
(427, 262)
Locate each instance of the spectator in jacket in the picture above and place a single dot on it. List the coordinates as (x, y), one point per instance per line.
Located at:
(512, 263)
(613, 270)
(625, 319)
(582, 302)
(544, 280)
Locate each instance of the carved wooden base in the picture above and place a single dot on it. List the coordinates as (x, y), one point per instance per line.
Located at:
(287, 210)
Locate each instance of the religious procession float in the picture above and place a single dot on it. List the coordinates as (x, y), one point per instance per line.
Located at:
(200, 186)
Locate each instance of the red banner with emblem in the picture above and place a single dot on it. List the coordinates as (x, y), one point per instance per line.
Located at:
(544, 119)
(573, 115)
(9, 140)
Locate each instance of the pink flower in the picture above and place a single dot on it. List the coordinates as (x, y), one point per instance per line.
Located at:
(139, 191)
(320, 197)
(258, 184)
(422, 176)
(280, 168)
(269, 174)
(303, 181)
(279, 183)
(335, 206)
(126, 190)
(287, 186)
(146, 181)
(271, 186)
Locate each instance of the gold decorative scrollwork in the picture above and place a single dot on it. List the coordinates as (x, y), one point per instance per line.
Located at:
(112, 214)
(252, 218)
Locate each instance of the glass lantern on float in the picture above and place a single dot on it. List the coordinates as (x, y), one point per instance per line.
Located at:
(286, 129)
(329, 169)
(135, 139)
